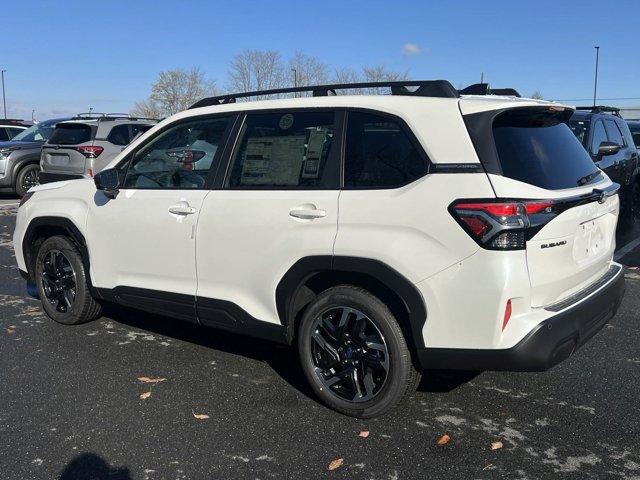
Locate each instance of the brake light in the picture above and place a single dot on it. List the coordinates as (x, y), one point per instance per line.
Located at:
(502, 225)
(90, 151)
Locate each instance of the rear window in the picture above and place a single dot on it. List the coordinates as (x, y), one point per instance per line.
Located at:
(580, 129)
(635, 133)
(537, 147)
(70, 134)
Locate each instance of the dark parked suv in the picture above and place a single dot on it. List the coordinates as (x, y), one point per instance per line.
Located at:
(20, 157)
(607, 138)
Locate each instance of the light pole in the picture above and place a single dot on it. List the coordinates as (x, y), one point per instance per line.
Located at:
(4, 100)
(295, 81)
(595, 82)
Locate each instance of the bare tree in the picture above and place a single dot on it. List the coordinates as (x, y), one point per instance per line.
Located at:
(174, 91)
(256, 70)
(537, 95)
(146, 109)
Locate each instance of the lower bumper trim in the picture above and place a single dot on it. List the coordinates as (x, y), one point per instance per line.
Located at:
(551, 342)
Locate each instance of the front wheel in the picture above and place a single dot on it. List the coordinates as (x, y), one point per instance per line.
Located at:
(28, 176)
(62, 283)
(354, 353)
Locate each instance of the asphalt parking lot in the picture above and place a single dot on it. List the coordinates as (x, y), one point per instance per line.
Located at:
(71, 405)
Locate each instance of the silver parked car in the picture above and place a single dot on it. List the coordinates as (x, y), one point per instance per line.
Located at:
(83, 146)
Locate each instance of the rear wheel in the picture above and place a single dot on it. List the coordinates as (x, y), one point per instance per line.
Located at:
(28, 176)
(62, 283)
(354, 353)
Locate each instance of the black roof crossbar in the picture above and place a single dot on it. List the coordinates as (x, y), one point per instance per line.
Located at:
(601, 108)
(425, 88)
(103, 117)
(485, 89)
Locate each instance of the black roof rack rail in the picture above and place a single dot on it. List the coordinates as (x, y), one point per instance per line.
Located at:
(485, 89)
(425, 88)
(102, 117)
(601, 108)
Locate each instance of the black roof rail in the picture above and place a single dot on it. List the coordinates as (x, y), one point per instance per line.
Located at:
(102, 117)
(425, 88)
(601, 108)
(485, 89)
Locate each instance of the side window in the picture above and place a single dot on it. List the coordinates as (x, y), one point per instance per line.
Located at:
(599, 136)
(4, 136)
(287, 151)
(179, 157)
(379, 153)
(119, 135)
(613, 132)
(14, 131)
(138, 128)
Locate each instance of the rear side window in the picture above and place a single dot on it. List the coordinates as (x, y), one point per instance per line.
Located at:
(4, 135)
(537, 147)
(613, 132)
(379, 153)
(119, 135)
(288, 150)
(70, 134)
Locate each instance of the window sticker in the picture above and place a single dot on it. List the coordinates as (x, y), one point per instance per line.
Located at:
(273, 160)
(286, 121)
(315, 147)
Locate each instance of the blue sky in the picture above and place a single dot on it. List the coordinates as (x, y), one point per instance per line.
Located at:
(62, 57)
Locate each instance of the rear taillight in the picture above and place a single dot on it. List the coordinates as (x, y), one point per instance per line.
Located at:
(90, 151)
(502, 225)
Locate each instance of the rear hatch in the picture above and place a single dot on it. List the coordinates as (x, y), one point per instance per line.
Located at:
(66, 150)
(531, 155)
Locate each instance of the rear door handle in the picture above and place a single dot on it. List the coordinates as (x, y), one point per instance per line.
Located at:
(307, 212)
(182, 208)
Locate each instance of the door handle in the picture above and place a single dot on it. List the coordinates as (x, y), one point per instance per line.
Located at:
(182, 208)
(307, 212)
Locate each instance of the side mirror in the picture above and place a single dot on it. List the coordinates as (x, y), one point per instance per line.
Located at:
(608, 148)
(108, 181)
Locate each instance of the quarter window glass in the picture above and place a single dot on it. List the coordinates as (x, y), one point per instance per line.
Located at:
(599, 136)
(285, 151)
(14, 131)
(4, 136)
(119, 135)
(179, 158)
(613, 132)
(379, 154)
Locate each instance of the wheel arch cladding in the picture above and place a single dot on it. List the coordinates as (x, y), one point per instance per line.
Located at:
(311, 275)
(41, 228)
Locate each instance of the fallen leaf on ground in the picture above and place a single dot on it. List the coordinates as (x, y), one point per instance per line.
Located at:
(201, 416)
(496, 445)
(443, 440)
(337, 463)
(145, 395)
(151, 380)
(364, 434)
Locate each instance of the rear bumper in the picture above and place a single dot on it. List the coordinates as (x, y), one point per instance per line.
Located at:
(49, 177)
(549, 343)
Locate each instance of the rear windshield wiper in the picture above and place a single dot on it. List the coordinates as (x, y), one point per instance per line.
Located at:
(587, 178)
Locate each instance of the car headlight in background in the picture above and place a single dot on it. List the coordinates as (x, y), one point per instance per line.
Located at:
(4, 154)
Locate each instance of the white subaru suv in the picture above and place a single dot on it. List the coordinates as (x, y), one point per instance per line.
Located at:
(382, 235)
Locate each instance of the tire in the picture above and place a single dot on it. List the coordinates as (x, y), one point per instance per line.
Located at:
(27, 177)
(58, 267)
(330, 354)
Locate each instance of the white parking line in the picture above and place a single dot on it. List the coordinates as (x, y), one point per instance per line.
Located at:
(626, 249)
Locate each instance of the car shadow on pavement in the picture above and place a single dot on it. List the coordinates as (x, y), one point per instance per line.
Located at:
(281, 358)
(94, 467)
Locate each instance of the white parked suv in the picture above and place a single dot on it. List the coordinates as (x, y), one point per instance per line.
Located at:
(382, 235)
